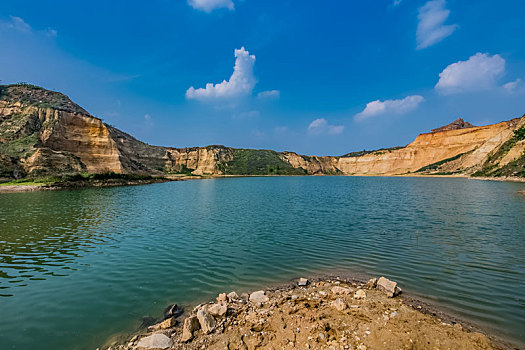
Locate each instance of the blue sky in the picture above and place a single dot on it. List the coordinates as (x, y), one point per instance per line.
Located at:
(315, 77)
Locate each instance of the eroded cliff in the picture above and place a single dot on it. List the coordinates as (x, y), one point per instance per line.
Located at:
(44, 133)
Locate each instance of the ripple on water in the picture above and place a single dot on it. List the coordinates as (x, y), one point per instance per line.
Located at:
(95, 261)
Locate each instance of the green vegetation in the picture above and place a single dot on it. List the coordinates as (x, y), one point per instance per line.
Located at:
(181, 169)
(515, 168)
(519, 134)
(77, 178)
(39, 97)
(258, 162)
(377, 151)
(22, 147)
(436, 165)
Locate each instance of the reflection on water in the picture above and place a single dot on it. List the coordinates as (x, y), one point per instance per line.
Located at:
(94, 261)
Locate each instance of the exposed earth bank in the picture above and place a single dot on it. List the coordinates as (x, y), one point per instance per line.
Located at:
(322, 314)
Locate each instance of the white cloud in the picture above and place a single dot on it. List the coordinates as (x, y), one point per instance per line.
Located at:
(281, 129)
(479, 72)
(51, 32)
(241, 82)
(210, 5)
(269, 95)
(397, 2)
(512, 85)
(400, 106)
(321, 126)
(431, 28)
(19, 24)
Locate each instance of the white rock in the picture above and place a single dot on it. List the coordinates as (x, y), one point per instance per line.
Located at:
(206, 321)
(155, 341)
(191, 324)
(302, 282)
(222, 298)
(339, 304)
(360, 294)
(259, 297)
(218, 310)
(341, 290)
(233, 296)
(389, 287)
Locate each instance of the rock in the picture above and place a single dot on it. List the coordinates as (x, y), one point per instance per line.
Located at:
(372, 283)
(191, 324)
(206, 321)
(155, 341)
(232, 296)
(389, 287)
(222, 298)
(218, 309)
(173, 311)
(339, 304)
(245, 296)
(302, 282)
(170, 322)
(259, 297)
(341, 290)
(360, 294)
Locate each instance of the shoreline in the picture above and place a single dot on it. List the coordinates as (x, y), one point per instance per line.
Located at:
(15, 188)
(228, 321)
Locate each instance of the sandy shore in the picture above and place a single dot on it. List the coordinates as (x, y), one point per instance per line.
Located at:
(81, 184)
(321, 314)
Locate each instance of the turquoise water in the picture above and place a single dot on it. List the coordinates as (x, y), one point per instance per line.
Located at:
(77, 266)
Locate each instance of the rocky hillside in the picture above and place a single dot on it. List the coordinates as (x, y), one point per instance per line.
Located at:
(44, 133)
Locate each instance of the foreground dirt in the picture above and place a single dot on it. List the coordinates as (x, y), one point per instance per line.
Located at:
(328, 314)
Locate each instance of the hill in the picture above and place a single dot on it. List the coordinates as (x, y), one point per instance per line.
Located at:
(44, 133)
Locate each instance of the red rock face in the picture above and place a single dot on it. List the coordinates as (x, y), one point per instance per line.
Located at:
(455, 125)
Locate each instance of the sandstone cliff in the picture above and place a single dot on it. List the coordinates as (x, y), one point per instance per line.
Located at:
(44, 133)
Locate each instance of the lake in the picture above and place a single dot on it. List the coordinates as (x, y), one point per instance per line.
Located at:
(77, 266)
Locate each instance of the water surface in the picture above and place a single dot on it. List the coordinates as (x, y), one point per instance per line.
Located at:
(79, 265)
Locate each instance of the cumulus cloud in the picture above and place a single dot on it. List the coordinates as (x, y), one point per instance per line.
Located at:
(431, 28)
(397, 2)
(241, 82)
(269, 95)
(512, 85)
(400, 106)
(479, 72)
(210, 5)
(321, 126)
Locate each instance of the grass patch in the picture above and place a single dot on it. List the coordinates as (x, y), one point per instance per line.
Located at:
(258, 162)
(77, 178)
(515, 168)
(436, 165)
(377, 151)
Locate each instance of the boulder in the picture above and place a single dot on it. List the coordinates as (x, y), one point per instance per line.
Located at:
(372, 283)
(389, 287)
(168, 323)
(206, 320)
(218, 310)
(232, 296)
(341, 290)
(259, 297)
(339, 304)
(191, 324)
(360, 294)
(173, 310)
(155, 341)
(222, 298)
(302, 282)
